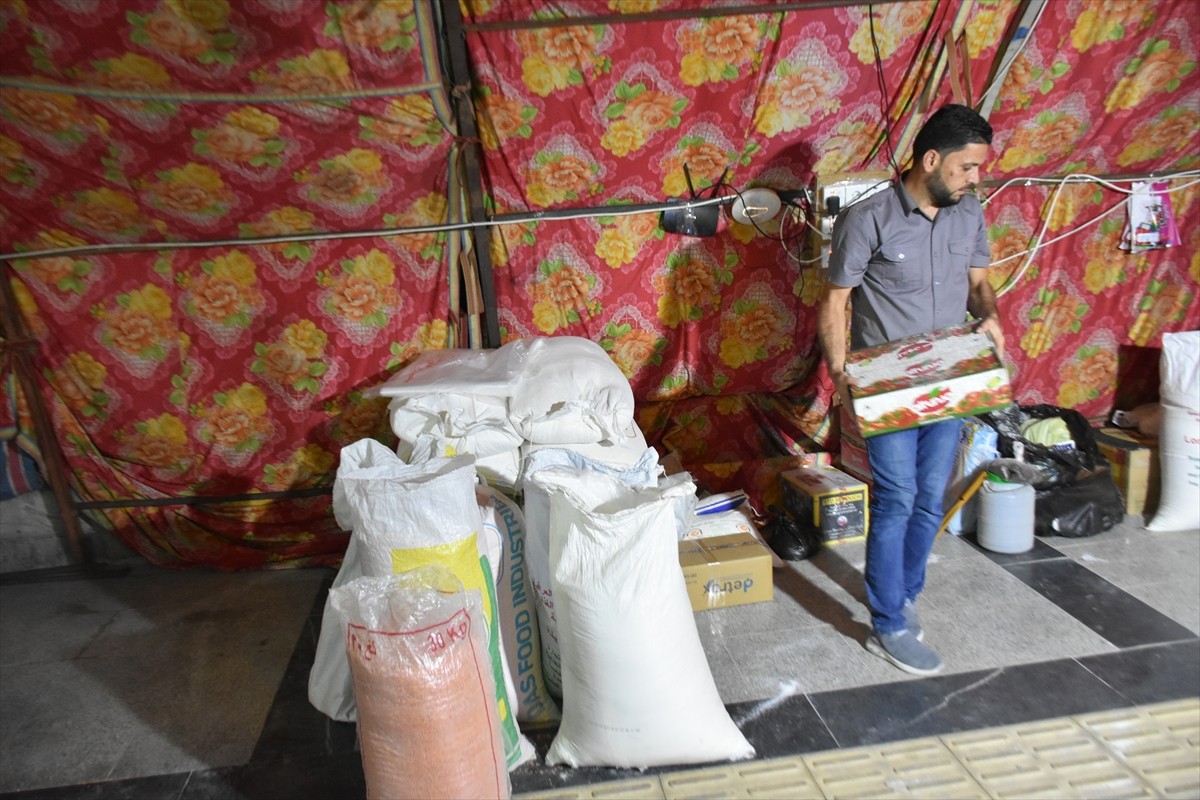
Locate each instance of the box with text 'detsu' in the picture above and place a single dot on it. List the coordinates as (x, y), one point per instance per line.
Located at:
(725, 571)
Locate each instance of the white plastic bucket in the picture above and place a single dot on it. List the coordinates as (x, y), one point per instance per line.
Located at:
(1006, 517)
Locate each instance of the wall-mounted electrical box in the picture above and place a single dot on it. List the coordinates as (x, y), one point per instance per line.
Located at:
(834, 192)
(838, 190)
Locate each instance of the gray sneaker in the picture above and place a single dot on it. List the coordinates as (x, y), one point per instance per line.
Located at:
(903, 650)
(912, 621)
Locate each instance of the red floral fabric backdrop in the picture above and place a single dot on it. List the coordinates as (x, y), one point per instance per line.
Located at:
(609, 113)
(240, 368)
(229, 369)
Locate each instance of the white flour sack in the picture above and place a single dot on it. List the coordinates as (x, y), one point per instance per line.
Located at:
(537, 536)
(623, 453)
(1179, 438)
(517, 607)
(330, 688)
(476, 424)
(427, 514)
(570, 391)
(637, 690)
(427, 723)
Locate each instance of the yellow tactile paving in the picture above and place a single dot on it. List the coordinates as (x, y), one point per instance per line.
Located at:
(915, 768)
(1161, 743)
(782, 778)
(1145, 751)
(1052, 759)
(647, 788)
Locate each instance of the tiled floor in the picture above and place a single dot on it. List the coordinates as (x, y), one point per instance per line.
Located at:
(1072, 670)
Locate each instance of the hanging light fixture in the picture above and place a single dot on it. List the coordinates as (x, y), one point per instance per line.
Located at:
(755, 206)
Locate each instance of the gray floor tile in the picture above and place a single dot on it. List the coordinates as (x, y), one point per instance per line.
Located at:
(153, 674)
(976, 615)
(770, 665)
(61, 726)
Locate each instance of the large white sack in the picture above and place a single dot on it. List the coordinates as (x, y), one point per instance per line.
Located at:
(426, 514)
(486, 372)
(570, 391)
(1179, 438)
(637, 689)
(502, 518)
(624, 452)
(537, 535)
(501, 470)
(330, 687)
(478, 424)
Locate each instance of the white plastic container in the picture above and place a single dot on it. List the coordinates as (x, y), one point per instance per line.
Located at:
(1005, 522)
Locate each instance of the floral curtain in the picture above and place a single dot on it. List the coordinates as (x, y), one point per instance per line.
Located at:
(240, 368)
(718, 334)
(227, 369)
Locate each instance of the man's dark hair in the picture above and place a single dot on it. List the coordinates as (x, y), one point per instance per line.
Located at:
(952, 127)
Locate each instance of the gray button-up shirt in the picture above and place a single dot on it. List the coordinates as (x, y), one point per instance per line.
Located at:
(909, 272)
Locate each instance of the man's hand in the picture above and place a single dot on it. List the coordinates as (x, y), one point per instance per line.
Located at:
(991, 325)
(842, 383)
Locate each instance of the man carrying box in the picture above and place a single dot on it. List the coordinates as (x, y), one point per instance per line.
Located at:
(910, 259)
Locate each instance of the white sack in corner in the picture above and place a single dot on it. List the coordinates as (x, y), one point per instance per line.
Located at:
(1179, 439)
(537, 536)
(502, 518)
(427, 514)
(330, 688)
(474, 423)
(570, 392)
(637, 690)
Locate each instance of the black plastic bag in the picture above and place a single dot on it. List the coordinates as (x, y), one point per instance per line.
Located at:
(1089, 505)
(1057, 466)
(790, 540)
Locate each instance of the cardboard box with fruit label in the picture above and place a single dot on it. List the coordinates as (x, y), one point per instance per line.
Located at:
(952, 372)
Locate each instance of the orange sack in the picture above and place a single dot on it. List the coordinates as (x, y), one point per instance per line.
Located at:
(423, 683)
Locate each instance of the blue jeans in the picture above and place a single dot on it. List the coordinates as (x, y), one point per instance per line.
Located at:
(910, 469)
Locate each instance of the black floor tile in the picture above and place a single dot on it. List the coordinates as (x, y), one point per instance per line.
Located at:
(536, 775)
(1040, 552)
(779, 729)
(294, 728)
(774, 729)
(336, 776)
(962, 702)
(1108, 610)
(165, 787)
(1150, 674)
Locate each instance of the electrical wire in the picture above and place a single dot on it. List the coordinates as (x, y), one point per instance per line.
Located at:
(500, 219)
(884, 99)
(1015, 278)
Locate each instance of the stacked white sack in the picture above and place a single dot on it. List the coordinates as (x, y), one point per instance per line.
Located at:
(501, 405)
(570, 392)
(456, 423)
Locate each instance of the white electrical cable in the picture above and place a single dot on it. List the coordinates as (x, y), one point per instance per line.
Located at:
(1083, 177)
(1074, 178)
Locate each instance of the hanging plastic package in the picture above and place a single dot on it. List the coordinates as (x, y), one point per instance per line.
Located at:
(1149, 219)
